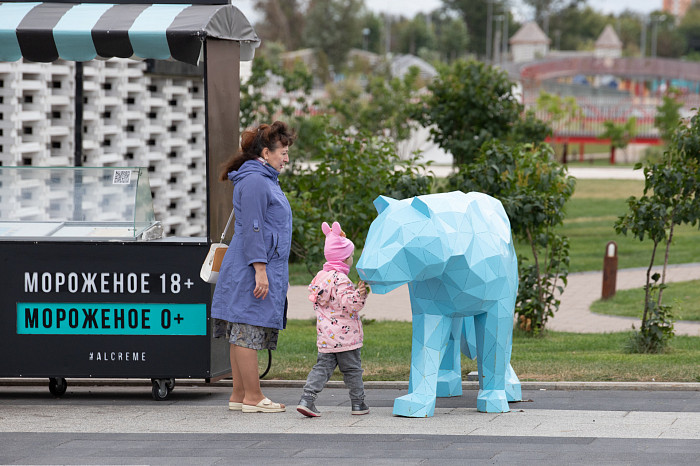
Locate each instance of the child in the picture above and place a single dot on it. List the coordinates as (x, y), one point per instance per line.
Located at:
(338, 325)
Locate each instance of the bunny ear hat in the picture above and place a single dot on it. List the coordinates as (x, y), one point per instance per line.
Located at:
(337, 247)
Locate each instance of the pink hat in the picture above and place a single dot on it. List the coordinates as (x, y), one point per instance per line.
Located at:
(337, 248)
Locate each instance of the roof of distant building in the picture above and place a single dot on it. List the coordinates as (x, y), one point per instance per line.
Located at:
(401, 63)
(530, 33)
(608, 39)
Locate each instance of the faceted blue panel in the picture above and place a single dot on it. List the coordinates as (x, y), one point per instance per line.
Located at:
(456, 253)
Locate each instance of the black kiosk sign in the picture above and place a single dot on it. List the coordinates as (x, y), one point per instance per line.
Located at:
(103, 310)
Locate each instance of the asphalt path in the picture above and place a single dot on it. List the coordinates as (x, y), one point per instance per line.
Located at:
(122, 425)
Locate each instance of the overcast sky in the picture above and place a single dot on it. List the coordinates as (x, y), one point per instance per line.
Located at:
(409, 8)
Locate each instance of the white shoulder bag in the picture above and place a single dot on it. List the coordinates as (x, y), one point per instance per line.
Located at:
(212, 263)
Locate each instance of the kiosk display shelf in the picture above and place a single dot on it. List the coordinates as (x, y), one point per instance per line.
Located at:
(76, 203)
(91, 289)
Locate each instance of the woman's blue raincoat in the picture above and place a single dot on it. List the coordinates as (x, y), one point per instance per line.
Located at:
(262, 233)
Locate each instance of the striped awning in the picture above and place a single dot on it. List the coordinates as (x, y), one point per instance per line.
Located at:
(44, 32)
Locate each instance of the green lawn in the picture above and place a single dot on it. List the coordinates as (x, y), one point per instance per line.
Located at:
(683, 296)
(556, 357)
(590, 217)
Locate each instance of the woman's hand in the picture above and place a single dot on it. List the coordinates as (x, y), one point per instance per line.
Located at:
(262, 287)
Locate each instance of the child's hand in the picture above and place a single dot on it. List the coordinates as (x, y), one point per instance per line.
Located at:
(362, 288)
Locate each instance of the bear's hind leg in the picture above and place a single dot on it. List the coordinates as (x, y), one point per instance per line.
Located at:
(450, 374)
(494, 334)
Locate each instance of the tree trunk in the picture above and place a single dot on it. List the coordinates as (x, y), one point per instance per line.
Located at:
(646, 288)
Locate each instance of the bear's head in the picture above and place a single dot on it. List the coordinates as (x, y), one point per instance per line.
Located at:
(403, 244)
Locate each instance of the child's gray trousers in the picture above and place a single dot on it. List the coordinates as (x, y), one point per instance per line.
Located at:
(350, 365)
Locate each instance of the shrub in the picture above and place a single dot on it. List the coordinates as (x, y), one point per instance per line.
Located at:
(353, 169)
(533, 189)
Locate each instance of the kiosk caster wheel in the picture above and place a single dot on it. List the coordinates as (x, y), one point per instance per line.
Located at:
(162, 388)
(57, 386)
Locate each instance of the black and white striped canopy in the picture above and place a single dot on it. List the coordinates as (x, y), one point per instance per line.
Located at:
(44, 32)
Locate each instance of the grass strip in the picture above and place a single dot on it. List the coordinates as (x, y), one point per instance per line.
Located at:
(684, 297)
(558, 356)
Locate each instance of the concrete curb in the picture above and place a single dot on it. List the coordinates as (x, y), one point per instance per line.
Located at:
(372, 385)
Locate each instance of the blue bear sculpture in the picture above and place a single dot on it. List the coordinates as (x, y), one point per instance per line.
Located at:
(456, 253)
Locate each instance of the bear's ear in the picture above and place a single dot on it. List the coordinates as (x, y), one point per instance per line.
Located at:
(382, 202)
(420, 206)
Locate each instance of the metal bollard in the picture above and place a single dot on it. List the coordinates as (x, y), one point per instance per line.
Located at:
(609, 270)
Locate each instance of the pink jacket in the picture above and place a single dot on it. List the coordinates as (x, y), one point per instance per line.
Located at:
(337, 304)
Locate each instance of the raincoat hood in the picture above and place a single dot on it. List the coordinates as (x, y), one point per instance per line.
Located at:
(250, 167)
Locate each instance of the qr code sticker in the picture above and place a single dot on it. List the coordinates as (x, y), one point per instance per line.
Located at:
(121, 177)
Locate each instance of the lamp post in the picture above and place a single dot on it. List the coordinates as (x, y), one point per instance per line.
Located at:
(497, 39)
(655, 20)
(365, 38)
(643, 38)
(489, 20)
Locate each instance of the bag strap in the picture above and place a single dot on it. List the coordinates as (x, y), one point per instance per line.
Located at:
(230, 217)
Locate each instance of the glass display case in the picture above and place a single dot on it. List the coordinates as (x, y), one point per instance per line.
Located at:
(76, 203)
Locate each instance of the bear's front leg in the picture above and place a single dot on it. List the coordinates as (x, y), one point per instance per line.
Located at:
(430, 336)
(494, 335)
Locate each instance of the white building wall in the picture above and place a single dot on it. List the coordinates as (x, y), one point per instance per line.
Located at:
(130, 118)
(528, 52)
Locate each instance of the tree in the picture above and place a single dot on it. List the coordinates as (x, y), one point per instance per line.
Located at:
(383, 108)
(292, 105)
(579, 26)
(283, 21)
(689, 28)
(667, 115)
(546, 8)
(671, 197)
(451, 36)
(469, 103)
(414, 35)
(474, 13)
(533, 189)
(559, 109)
(620, 134)
(353, 169)
(333, 27)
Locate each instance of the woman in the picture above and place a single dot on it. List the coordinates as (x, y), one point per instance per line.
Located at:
(252, 286)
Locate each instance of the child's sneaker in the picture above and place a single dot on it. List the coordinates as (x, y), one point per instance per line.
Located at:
(359, 407)
(307, 408)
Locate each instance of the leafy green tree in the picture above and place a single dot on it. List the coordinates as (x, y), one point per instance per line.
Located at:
(546, 8)
(293, 106)
(474, 13)
(415, 34)
(671, 197)
(689, 28)
(470, 103)
(283, 21)
(383, 108)
(533, 189)
(333, 27)
(374, 24)
(353, 169)
(667, 115)
(620, 134)
(559, 111)
(579, 26)
(451, 36)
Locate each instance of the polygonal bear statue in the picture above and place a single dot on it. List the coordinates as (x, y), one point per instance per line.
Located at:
(456, 253)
